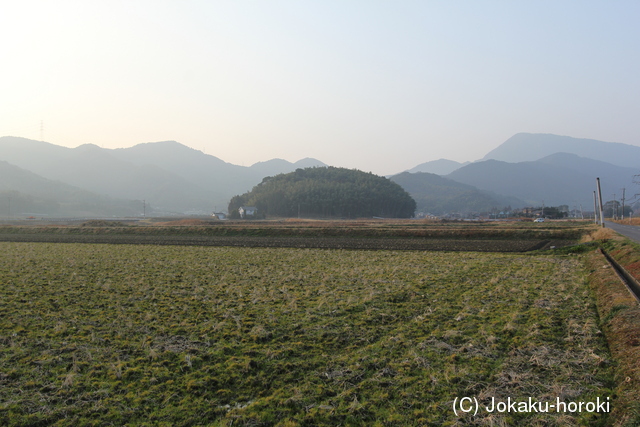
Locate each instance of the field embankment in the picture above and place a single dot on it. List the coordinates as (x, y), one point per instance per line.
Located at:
(393, 235)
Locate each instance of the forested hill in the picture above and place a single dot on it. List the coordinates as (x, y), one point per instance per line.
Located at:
(327, 192)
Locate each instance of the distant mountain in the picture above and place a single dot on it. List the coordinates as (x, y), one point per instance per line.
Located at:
(169, 176)
(524, 147)
(29, 154)
(216, 180)
(438, 195)
(560, 178)
(24, 193)
(206, 180)
(192, 165)
(97, 170)
(173, 178)
(439, 167)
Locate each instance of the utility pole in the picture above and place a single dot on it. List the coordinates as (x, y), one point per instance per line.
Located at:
(600, 202)
(144, 209)
(595, 208)
(623, 203)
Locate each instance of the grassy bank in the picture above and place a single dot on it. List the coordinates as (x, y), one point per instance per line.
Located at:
(620, 321)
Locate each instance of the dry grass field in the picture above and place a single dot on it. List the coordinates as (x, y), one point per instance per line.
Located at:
(182, 335)
(148, 334)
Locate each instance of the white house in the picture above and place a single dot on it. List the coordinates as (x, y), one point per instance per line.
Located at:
(247, 211)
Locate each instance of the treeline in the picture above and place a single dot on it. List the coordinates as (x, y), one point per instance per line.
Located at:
(327, 192)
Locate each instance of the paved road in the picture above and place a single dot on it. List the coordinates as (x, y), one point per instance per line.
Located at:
(630, 231)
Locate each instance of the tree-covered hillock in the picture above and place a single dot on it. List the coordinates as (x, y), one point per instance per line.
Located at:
(327, 192)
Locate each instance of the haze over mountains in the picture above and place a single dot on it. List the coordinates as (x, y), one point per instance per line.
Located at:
(168, 176)
(439, 167)
(533, 169)
(526, 170)
(554, 180)
(524, 147)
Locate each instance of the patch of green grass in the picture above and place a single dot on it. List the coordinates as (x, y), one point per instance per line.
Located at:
(569, 250)
(614, 310)
(99, 334)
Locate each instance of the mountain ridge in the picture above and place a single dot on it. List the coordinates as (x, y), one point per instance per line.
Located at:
(174, 178)
(560, 178)
(438, 167)
(523, 147)
(169, 175)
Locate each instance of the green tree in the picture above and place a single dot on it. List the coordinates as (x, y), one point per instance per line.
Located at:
(328, 192)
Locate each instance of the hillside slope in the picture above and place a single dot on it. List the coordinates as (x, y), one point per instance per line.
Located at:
(561, 178)
(438, 195)
(23, 193)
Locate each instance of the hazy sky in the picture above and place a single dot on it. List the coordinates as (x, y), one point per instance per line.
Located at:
(375, 85)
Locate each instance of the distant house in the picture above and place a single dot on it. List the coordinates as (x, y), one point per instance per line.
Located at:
(246, 211)
(219, 215)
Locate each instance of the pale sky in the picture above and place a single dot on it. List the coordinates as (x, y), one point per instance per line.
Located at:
(381, 86)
